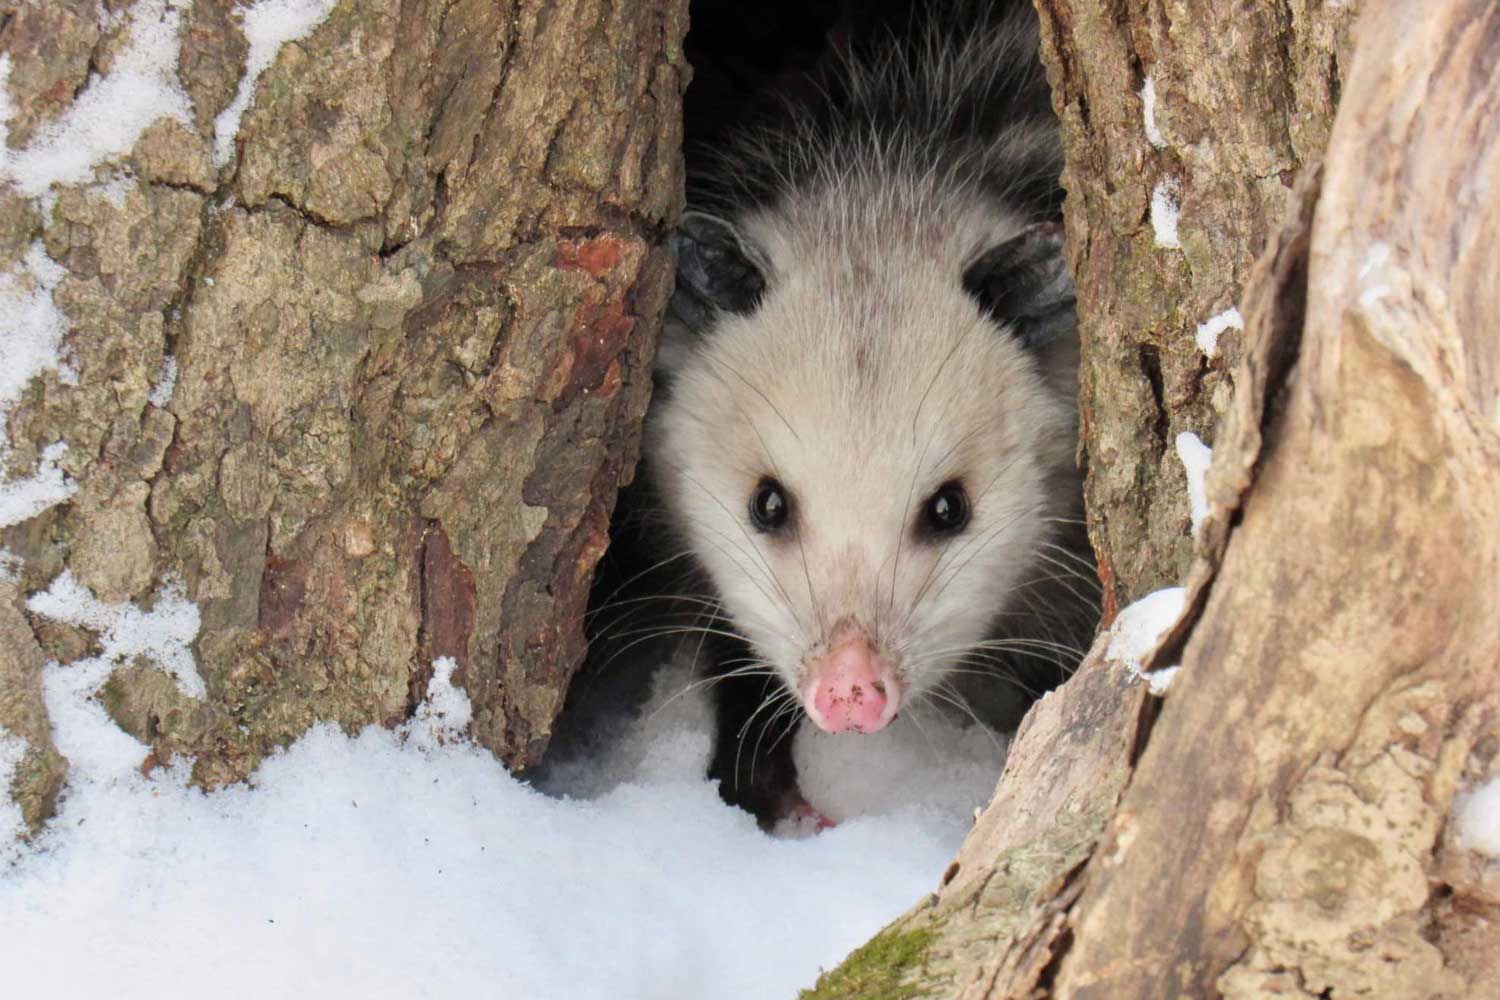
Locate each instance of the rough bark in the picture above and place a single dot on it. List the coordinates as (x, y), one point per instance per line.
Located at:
(411, 317)
(1244, 95)
(1281, 827)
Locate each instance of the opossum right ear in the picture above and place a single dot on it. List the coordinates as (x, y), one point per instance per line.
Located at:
(716, 268)
(1024, 283)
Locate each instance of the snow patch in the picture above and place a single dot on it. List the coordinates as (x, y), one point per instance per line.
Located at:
(1375, 274)
(1164, 214)
(1139, 628)
(12, 823)
(669, 739)
(1148, 113)
(166, 381)
(1158, 681)
(268, 25)
(346, 856)
(97, 750)
(118, 188)
(1196, 458)
(1477, 815)
(444, 714)
(934, 763)
(23, 499)
(33, 326)
(109, 116)
(161, 635)
(1208, 332)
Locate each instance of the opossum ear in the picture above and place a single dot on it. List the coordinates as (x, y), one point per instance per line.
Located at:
(716, 269)
(1024, 283)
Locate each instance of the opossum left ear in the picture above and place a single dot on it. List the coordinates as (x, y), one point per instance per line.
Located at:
(715, 266)
(1024, 283)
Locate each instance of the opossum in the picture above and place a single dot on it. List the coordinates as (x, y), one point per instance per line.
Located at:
(865, 431)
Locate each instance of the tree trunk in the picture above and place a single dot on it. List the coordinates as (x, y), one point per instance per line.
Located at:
(1185, 126)
(1279, 825)
(410, 307)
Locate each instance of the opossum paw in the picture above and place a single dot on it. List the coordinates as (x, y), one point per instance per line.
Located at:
(801, 820)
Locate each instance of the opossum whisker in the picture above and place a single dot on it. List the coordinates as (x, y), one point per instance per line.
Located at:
(938, 693)
(977, 544)
(720, 362)
(1086, 567)
(948, 548)
(771, 572)
(992, 672)
(1067, 576)
(792, 706)
(650, 634)
(749, 670)
(1006, 657)
(609, 599)
(634, 603)
(785, 702)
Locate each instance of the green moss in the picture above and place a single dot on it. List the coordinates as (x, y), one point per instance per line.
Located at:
(874, 972)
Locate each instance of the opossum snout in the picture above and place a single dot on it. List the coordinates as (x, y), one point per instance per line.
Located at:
(851, 688)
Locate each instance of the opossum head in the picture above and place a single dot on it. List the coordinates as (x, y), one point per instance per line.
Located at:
(866, 437)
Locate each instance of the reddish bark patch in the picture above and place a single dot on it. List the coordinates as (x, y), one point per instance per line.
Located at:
(283, 586)
(598, 255)
(447, 600)
(1110, 606)
(601, 330)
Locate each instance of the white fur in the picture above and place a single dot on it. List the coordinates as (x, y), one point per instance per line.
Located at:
(866, 378)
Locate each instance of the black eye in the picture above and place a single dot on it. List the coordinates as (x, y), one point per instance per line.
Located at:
(947, 510)
(768, 506)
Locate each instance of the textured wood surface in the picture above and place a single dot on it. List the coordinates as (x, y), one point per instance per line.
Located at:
(412, 317)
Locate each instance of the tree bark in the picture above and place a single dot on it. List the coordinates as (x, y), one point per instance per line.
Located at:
(1241, 100)
(411, 317)
(1279, 825)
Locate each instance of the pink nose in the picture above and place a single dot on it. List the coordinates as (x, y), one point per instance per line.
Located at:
(850, 688)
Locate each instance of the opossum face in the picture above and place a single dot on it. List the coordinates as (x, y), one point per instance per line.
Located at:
(867, 462)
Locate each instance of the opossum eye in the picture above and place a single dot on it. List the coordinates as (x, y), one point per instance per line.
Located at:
(947, 510)
(769, 506)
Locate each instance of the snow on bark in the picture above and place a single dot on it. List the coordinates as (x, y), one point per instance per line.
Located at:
(362, 393)
(268, 25)
(112, 111)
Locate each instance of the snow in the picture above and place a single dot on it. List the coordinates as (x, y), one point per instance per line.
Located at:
(1376, 274)
(444, 715)
(406, 862)
(1196, 458)
(1164, 214)
(268, 25)
(109, 116)
(937, 767)
(25, 498)
(12, 749)
(1148, 113)
(166, 381)
(1139, 628)
(161, 635)
(34, 326)
(410, 863)
(1477, 815)
(1158, 681)
(1209, 331)
(31, 336)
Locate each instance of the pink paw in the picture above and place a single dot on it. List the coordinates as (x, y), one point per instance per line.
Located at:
(802, 820)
